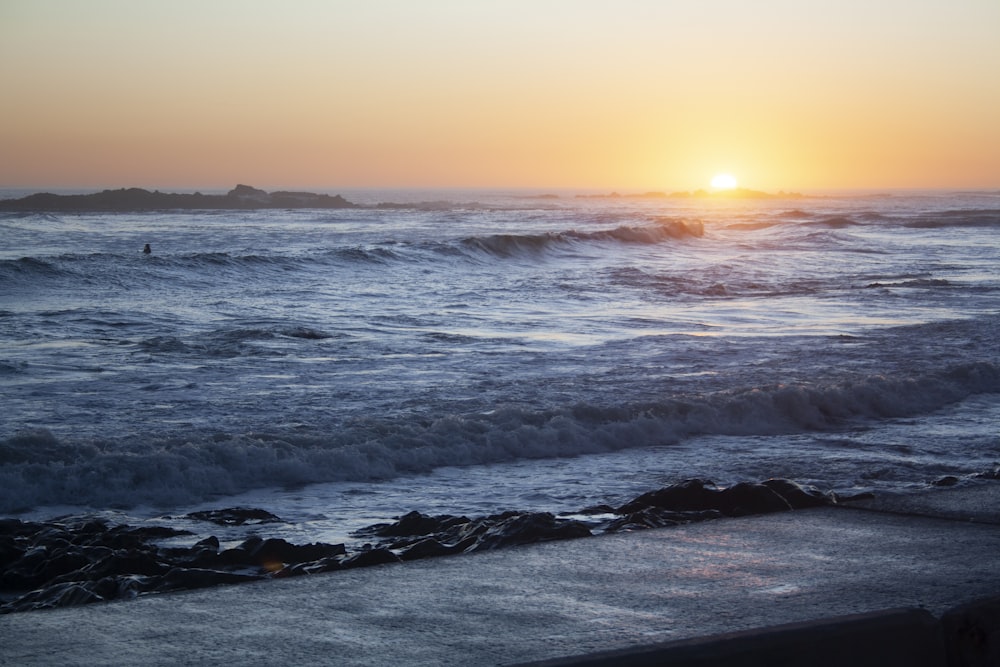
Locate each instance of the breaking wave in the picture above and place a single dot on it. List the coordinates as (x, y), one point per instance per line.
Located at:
(956, 218)
(495, 245)
(38, 468)
(663, 229)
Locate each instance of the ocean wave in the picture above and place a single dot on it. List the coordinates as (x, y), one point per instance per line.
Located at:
(718, 284)
(664, 229)
(956, 218)
(12, 367)
(661, 230)
(219, 260)
(37, 468)
(116, 269)
(375, 255)
(28, 268)
(230, 343)
(916, 282)
(833, 222)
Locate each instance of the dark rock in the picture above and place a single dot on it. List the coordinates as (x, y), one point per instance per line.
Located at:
(75, 561)
(186, 578)
(235, 557)
(38, 566)
(51, 536)
(186, 556)
(128, 537)
(377, 556)
(989, 474)
(138, 199)
(428, 547)
(211, 542)
(800, 496)
(106, 588)
(852, 497)
(316, 567)
(597, 509)
(128, 562)
(131, 586)
(234, 516)
(11, 551)
(274, 551)
(948, 480)
(650, 517)
(247, 192)
(689, 495)
(64, 562)
(15, 527)
(528, 528)
(747, 498)
(86, 531)
(695, 495)
(656, 517)
(59, 595)
(413, 523)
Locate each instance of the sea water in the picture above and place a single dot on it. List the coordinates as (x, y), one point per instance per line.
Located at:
(472, 352)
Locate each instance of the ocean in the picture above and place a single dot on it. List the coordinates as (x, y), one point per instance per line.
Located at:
(471, 352)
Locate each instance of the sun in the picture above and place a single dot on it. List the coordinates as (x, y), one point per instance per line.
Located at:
(724, 182)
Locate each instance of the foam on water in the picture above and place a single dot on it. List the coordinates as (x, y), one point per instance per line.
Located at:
(601, 338)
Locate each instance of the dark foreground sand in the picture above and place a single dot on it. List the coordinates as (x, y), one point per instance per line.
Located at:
(931, 551)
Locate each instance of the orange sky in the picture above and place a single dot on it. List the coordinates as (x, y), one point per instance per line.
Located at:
(637, 94)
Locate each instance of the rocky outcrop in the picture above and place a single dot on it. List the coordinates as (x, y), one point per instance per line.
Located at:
(243, 197)
(59, 563)
(234, 516)
(417, 535)
(79, 561)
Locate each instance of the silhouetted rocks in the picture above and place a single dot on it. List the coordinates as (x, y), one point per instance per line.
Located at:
(800, 496)
(415, 523)
(136, 199)
(234, 516)
(658, 517)
(376, 556)
(54, 564)
(79, 561)
(418, 535)
(527, 529)
(745, 498)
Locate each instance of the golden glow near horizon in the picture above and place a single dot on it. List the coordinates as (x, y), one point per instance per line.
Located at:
(544, 93)
(724, 181)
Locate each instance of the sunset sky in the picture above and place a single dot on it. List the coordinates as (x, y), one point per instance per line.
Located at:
(643, 94)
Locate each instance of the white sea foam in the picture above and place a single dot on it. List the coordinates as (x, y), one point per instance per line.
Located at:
(36, 467)
(273, 349)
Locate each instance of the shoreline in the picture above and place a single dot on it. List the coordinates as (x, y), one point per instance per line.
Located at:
(573, 601)
(83, 560)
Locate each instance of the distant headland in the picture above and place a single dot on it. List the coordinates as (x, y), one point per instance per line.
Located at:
(136, 199)
(245, 197)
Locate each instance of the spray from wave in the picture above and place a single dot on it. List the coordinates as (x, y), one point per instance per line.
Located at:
(38, 468)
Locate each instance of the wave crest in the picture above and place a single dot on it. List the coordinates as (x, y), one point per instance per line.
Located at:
(662, 229)
(956, 218)
(36, 467)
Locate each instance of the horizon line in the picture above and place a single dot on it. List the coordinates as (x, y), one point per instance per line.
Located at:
(623, 191)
